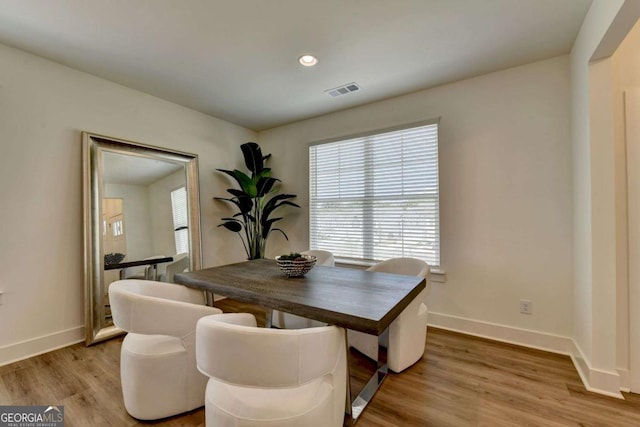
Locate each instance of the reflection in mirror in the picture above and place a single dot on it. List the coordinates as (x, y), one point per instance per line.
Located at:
(141, 220)
(114, 245)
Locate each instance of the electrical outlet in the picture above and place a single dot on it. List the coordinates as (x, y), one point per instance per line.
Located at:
(526, 306)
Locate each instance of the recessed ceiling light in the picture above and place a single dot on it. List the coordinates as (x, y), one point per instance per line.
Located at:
(308, 60)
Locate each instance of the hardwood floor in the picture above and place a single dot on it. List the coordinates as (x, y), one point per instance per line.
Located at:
(460, 381)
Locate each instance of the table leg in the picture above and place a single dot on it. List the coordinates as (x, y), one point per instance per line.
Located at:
(208, 297)
(355, 405)
(268, 317)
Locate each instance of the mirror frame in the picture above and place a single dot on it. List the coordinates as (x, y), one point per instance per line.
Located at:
(93, 145)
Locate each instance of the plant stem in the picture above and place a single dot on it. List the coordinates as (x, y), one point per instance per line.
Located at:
(243, 244)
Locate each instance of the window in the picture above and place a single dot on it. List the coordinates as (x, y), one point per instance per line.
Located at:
(118, 228)
(180, 219)
(376, 197)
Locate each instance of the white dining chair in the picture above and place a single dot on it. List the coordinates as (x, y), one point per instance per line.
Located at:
(141, 272)
(408, 332)
(158, 368)
(180, 263)
(282, 320)
(325, 258)
(270, 377)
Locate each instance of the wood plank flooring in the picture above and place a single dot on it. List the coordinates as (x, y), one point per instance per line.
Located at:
(460, 381)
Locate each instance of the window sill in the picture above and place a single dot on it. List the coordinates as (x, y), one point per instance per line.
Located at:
(437, 275)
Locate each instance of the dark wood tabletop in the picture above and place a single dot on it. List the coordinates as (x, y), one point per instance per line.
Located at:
(150, 261)
(355, 299)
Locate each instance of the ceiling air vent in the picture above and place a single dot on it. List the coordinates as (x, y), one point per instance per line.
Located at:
(343, 90)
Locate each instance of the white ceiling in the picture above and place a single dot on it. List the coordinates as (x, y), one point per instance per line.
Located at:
(134, 170)
(237, 59)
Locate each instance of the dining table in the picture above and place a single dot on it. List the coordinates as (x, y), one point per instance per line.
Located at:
(153, 262)
(350, 298)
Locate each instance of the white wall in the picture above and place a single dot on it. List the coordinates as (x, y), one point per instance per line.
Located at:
(506, 205)
(626, 77)
(592, 31)
(43, 109)
(598, 271)
(137, 228)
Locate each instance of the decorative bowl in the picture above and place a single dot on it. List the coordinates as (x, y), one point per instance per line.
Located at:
(296, 268)
(113, 258)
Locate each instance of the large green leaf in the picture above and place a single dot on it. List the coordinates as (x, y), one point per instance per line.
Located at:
(283, 233)
(236, 193)
(244, 181)
(295, 205)
(253, 157)
(266, 226)
(277, 201)
(265, 184)
(266, 172)
(236, 227)
(234, 201)
(244, 204)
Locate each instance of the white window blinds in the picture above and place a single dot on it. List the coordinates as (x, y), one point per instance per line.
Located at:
(376, 197)
(180, 219)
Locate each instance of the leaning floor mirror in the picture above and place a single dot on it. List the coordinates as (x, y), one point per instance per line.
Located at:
(141, 220)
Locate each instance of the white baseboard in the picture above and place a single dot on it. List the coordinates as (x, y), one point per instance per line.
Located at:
(43, 344)
(594, 380)
(508, 334)
(625, 380)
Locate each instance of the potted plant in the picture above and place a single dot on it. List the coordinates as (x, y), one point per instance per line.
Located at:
(255, 201)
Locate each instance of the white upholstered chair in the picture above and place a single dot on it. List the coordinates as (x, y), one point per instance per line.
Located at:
(140, 272)
(322, 257)
(158, 363)
(180, 263)
(408, 332)
(283, 320)
(271, 377)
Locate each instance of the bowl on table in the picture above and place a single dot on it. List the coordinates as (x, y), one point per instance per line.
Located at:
(296, 266)
(113, 258)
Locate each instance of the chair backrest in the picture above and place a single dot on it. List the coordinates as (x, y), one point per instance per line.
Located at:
(409, 267)
(156, 308)
(323, 257)
(179, 264)
(231, 349)
(406, 266)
